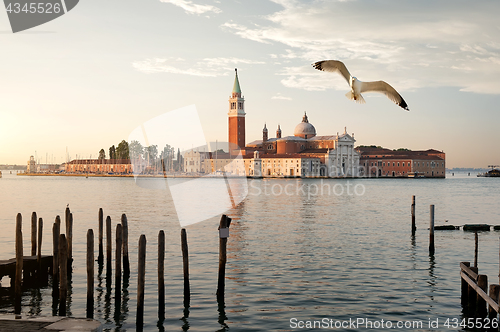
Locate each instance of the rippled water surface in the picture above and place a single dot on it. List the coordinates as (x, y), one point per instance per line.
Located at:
(305, 249)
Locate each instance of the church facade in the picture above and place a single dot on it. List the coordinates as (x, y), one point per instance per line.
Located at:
(305, 154)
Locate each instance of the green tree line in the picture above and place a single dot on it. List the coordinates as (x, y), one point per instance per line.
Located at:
(166, 159)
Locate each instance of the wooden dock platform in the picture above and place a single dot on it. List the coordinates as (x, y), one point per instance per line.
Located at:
(55, 323)
(30, 266)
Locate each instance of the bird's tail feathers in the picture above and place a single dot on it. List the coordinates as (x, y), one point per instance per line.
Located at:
(357, 98)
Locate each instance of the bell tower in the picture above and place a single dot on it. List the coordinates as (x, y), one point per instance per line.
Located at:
(236, 115)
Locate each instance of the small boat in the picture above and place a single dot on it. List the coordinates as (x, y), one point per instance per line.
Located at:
(492, 173)
(415, 175)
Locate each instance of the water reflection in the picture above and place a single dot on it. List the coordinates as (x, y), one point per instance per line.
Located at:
(99, 289)
(35, 302)
(184, 319)
(121, 303)
(432, 276)
(107, 301)
(160, 326)
(69, 299)
(222, 316)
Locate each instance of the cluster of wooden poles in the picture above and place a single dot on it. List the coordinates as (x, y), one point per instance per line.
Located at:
(60, 265)
(431, 224)
(121, 252)
(475, 299)
(62, 259)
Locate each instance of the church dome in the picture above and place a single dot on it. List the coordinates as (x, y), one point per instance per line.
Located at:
(305, 129)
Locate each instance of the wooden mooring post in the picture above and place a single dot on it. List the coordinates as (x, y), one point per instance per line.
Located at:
(413, 225)
(100, 257)
(482, 282)
(494, 294)
(118, 261)
(19, 264)
(185, 265)
(63, 274)
(41, 274)
(223, 235)
(141, 278)
(126, 262)
(56, 230)
(69, 242)
(161, 275)
(33, 234)
(90, 273)
(431, 231)
(108, 248)
(476, 246)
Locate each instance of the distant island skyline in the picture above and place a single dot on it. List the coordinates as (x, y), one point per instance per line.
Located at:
(85, 92)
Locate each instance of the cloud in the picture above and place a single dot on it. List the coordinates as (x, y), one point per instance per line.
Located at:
(411, 44)
(280, 97)
(192, 8)
(208, 67)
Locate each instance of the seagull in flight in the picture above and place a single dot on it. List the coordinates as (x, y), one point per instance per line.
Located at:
(357, 86)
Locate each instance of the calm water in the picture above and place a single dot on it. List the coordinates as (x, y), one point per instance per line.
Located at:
(301, 254)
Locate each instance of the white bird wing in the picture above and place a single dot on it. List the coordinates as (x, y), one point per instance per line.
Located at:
(386, 89)
(334, 66)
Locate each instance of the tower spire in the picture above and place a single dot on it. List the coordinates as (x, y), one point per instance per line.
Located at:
(236, 115)
(236, 86)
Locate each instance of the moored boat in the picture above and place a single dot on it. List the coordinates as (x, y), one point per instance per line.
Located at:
(492, 173)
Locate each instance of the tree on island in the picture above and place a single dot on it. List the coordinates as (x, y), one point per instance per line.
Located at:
(167, 157)
(135, 150)
(122, 150)
(102, 154)
(151, 154)
(112, 152)
(179, 165)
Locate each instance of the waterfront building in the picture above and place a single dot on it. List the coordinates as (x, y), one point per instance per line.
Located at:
(99, 166)
(303, 154)
(194, 161)
(380, 162)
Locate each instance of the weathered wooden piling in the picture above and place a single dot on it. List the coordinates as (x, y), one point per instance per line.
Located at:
(63, 274)
(108, 248)
(431, 230)
(66, 219)
(161, 275)
(41, 274)
(482, 282)
(90, 273)
(19, 264)
(141, 278)
(494, 294)
(118, 260)
(223, 235)
(126, 262)
(472, 294)
(465, 288)
(69, 241)
(33, 234)
(476, 245)
(413, 225)
(185, 264)
(56, 229)
(100, 257)
(475, 297)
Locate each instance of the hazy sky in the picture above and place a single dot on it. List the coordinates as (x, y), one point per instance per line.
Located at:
(85, 80)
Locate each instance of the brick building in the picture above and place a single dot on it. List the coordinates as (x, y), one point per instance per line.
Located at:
(380, 162)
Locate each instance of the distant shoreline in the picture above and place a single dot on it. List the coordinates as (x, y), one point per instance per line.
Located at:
(207, 176)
